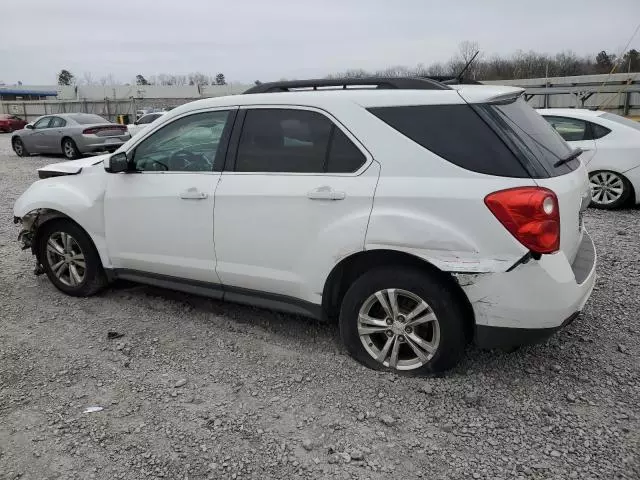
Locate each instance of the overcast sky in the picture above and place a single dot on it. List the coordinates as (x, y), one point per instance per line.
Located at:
(272, 39)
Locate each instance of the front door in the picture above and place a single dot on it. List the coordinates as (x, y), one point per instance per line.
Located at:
(34, 138)
(159, 217)
(294, 200)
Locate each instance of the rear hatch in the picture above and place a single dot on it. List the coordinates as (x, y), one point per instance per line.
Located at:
(542, 150)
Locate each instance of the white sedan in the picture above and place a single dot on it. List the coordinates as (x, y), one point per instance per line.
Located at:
(611, 146)
(143, 122)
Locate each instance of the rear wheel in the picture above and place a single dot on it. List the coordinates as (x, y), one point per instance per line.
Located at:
(70, 259)
(19, 147)
(609, 189)
(70, 149)
(402, 319)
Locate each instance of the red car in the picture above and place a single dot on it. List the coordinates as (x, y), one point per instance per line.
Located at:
(9, 123)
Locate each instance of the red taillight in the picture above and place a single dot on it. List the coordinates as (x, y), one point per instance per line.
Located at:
(531, 214)
(94, 130)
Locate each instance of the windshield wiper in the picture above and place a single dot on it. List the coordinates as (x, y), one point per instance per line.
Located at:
(574, 154)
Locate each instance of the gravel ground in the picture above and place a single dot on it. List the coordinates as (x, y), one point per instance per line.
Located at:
(197, 389)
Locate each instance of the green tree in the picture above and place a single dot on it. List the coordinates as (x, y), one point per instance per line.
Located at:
(630, 61)
(220, 80)
(65, 77)
(140, 80)
(604, 62)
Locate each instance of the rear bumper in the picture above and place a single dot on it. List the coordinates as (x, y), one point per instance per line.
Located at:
(633, 176)
(533, 300)
(93, 143)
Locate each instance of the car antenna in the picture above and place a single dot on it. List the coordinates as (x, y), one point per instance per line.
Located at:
(460, 76)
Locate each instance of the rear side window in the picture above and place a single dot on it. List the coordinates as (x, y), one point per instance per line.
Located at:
(456, 133)
(598, 131)
(571, 129)
(575, 130)
(294, 141)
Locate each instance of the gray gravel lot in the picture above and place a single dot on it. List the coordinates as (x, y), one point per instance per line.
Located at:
(198, 389)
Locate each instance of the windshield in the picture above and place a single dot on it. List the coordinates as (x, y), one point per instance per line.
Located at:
(621, 120)
(538, 144)
(87, 119)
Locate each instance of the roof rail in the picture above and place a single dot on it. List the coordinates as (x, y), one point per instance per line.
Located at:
(400, 83)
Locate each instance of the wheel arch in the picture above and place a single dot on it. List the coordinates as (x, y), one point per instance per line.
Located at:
(352, 267)
(35, 219)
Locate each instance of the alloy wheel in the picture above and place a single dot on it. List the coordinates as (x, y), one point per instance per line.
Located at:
(18, 147)
(69, 150)
(606, 188)
(398, 329)
(66, 259)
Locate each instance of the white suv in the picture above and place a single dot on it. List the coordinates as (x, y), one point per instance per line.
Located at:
(423, 216)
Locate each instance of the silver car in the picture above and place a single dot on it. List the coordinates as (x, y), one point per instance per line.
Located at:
(71, 134)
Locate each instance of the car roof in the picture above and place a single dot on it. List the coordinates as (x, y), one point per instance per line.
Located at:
(365, 97)
(571, 112)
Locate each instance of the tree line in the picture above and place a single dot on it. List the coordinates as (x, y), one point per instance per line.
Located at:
(519, 65)
(65, 77)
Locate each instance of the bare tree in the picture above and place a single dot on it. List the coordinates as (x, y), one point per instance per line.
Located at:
(87, 79)
(108, 80)
(197, 78)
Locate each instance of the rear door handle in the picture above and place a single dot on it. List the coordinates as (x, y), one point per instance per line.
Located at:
(193, 194)
(326, 193)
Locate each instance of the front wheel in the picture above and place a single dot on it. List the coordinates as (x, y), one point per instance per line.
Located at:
(402, 319)
(609, 190)
(70, 259)
(70, 149)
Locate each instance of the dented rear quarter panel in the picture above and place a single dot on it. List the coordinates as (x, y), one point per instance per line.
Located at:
(444, 221)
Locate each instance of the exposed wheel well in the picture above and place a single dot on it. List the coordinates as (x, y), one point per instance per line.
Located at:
(42, 217)
(352, 267)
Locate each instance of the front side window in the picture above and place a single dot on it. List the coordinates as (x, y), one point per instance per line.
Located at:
(294, 141)
(188, 144)
(571, 129)
(42, 123)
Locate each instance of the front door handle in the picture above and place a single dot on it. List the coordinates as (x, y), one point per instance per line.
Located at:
(326, 193)
(193, 194)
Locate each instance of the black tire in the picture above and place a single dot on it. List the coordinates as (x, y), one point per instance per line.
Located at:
(595, 178)
(93, 277)
(19, 148)
(429, 287)
(69, 149)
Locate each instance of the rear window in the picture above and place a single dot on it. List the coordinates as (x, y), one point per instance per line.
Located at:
(621, 120)
(87, 118)
(456, 133)
(536, 142)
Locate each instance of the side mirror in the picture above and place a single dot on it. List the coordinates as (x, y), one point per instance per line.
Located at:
(117, 163)
(29, 126)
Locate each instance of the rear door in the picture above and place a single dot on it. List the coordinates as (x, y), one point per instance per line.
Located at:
(293, 200)
(577, 133)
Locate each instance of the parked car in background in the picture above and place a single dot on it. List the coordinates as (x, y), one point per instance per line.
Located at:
(72, 134)
(143, 122)
(611, 146)
(421, 216)
(9, 123)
